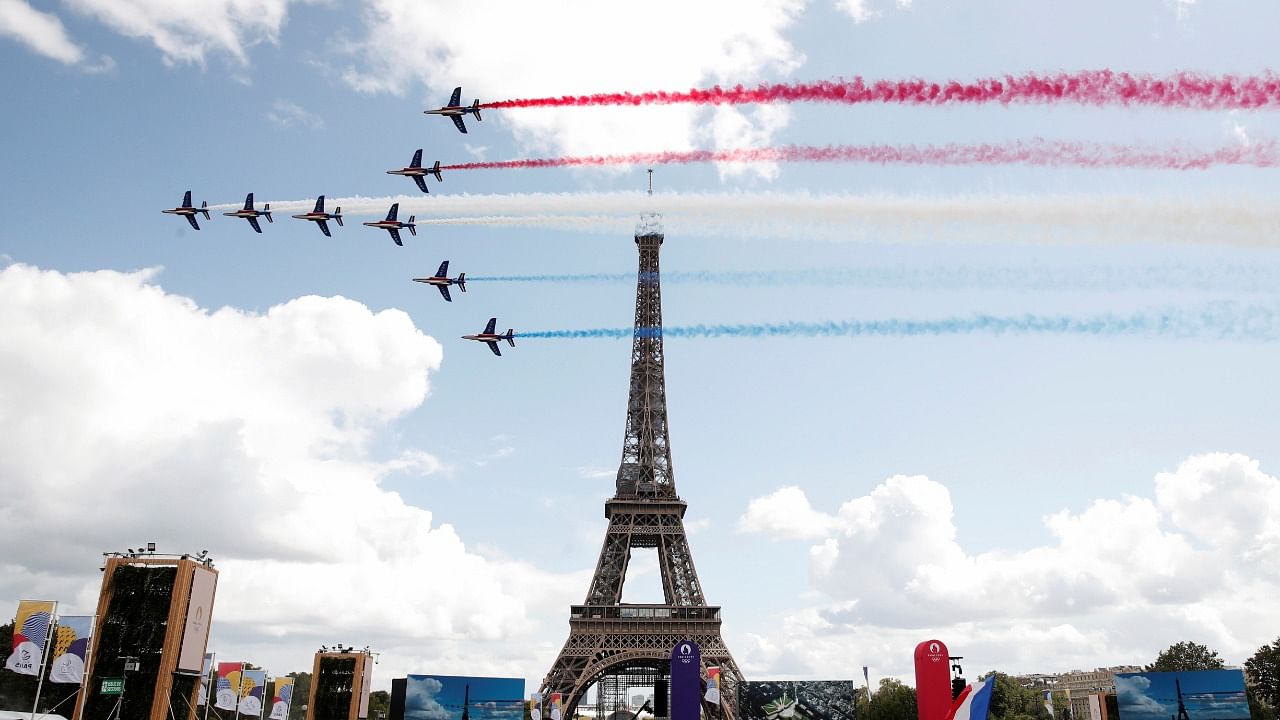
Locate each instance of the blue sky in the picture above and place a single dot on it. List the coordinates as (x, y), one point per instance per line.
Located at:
(1039, 502)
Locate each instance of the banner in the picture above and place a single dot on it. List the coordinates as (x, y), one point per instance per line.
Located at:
(203, 697)
(228, 692)
(30, 631)
(195, 632)
(933, 680)
(70, 646)
(1048, 702)
(973, 703)
(253, 685)
(796, 699)
(282, 699)
(686, 681)
(535, 706)
(713, 686)
(555, 706)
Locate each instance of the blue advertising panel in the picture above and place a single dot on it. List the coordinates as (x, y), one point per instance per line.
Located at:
(686, 681)
(461, 697)
(1195, 695)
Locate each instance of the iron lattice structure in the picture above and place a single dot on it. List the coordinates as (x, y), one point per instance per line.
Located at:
(608, 638)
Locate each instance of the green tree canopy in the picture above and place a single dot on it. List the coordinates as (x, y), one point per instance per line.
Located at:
(892, 701)
(1264, 673)
(1011, 701)
(1185, 656)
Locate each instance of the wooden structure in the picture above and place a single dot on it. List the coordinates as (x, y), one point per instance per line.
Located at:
(340, 685)
(148, 622)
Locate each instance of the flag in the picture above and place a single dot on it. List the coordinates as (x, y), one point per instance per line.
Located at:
(555, 706)
(1048, 702)
(30, 631)
(228, 688)
(866, 675)
(283, 697)
(713, 686)
(70, 645)
(973, 703)
(203, 697)
(535, 706)
(253, 684)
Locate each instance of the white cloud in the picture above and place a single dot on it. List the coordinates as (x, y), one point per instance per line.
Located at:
(1131, 575)
(128, 414)
(857, 9)
(185, 32)
(786, 513)
(42, 32)
(288, 114)
(580, 47)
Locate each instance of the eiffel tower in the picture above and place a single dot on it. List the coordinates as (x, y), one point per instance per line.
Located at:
(609, 639)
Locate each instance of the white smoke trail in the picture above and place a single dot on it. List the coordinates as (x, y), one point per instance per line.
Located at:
(1236, 219)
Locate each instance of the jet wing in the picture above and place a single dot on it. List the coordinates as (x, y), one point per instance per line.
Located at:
(248, 201)
(422, 183)
(186, 199)
(444, 292)
(192, 219)
(488, 329)
(395, 235)
(417, 159)
(493, 345)
(444, 269)
(324, 228)
(457, 120)
(254, 222)
(456, 97)
(319, 204)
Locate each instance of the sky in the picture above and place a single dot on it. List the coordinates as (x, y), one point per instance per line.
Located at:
(298, 407)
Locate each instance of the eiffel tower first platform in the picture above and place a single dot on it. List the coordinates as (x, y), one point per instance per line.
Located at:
(615, 644)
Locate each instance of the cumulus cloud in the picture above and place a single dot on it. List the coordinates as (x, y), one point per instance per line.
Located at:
(131, 414)
(1130, 574)
(187, 32)
(288, 114)
(588, 47)
(41, 31)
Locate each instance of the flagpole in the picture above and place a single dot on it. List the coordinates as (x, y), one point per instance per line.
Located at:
(212, 688)
(44, 656)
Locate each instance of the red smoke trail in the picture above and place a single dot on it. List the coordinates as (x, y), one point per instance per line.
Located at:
(1032, 152)
(1090, 87)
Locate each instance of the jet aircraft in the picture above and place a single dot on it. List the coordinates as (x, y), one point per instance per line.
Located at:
(248, 213)
(419, 173)
(186, 210)
(322, 218)
(442, 281)
(393, 226)
(490, 338)
(455, 111)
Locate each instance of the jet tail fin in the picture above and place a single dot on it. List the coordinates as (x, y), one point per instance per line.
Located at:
(337, 215)
(267, 209)
(413, 229)
(462, 282)
(204, 208)
(510, 337)
(475, 109)
(435, 170)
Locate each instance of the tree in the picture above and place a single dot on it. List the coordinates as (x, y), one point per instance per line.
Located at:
(379, 705)
(1186, 656)
(1264, 673)
(892, 701)
(301, 691)
(1011, 701)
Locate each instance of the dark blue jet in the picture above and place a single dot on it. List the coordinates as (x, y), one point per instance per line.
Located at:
(322, 218)
(393, 226)
(186, 210)
(419, 173)
(456, 111)
(442, 281)
(248, 213)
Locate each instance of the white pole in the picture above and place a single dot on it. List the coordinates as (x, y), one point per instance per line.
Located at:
(44, 656)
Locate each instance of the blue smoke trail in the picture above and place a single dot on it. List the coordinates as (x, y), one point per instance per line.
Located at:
(1238, 278)
(1217, 321)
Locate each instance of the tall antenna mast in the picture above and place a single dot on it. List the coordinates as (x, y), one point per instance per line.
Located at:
(650, 181)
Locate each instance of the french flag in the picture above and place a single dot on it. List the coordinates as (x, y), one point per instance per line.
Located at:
(973, 703)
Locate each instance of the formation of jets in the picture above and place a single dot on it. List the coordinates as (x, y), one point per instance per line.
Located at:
(455, 111)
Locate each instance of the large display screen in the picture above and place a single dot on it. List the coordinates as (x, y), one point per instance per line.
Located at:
(459, 697)
(1197, 695)
(796, 700)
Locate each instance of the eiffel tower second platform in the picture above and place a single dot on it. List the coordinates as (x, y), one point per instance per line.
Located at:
(609, 638)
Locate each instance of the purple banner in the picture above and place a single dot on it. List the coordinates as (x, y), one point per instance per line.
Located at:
(686, 681)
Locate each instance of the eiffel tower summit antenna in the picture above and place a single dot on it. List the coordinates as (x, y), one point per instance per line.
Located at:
(614, 644)
(650, 182)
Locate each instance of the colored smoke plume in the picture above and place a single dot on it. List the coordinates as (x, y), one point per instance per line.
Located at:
(1090, 87)
(1217, 321)
(1037, 152)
